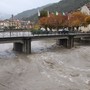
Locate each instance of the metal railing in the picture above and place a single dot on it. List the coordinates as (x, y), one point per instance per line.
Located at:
(4, 34)
(14, 33)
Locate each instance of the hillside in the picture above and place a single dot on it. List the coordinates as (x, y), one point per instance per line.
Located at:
(29, 13)
(67, 5)
(62, 6)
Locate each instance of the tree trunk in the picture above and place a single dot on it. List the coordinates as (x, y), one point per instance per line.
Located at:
(77, 28)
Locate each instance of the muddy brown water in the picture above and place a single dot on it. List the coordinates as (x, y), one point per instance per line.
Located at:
(49, 67)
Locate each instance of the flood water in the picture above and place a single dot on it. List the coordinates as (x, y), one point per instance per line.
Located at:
(49, 67)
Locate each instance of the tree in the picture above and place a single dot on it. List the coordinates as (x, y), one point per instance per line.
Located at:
(72, 20)
(76, 19)
(43, 22)
(65, 21)
(43, 14)
(55, 21)
(87, 20)
(36, 27)
(59, 21)
(51, 21)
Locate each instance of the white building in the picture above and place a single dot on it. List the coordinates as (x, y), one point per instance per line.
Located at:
(86, 9)
(4, 24)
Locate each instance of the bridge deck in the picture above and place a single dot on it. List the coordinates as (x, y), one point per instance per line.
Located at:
(13, 34)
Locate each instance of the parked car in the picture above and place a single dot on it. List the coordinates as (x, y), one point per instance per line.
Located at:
(63, 31)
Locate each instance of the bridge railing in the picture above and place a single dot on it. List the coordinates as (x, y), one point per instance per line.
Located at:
(14, 33)
(22, 34)
(4, 34)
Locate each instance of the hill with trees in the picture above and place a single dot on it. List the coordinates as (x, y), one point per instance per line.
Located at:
(61, 6)
(29, 13)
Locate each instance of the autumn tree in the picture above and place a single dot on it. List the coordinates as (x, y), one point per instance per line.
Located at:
(65, 21)
(72, 20)
(59, 21)
(50, 21)
(36, 27)
(53, 21)
(87, 20)
(43, 19)
(43, 22)
(76, 19)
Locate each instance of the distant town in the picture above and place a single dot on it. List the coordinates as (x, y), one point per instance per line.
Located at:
(15, 24)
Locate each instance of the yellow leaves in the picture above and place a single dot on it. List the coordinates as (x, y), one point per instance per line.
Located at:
(36, 27)
(76, 19)
(76, 23)
(87, 19)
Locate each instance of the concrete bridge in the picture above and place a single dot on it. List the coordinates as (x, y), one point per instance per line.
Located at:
(22, 40)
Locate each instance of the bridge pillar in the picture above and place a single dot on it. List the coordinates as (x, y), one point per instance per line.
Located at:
(17, 47)
(24, 47)
(67, 43)
(27, 46)
(62, 42)
(70, 42)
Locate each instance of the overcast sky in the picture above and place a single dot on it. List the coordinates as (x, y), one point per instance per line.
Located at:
(17, 6)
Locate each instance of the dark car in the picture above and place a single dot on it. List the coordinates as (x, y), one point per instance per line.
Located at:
(63, 32)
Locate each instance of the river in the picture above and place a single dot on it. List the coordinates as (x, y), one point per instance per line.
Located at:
(49, 67)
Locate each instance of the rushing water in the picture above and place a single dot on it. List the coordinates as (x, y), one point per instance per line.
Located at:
(49, 67)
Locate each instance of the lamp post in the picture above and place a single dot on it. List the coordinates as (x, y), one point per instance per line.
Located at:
(11, 24)
(12, 20)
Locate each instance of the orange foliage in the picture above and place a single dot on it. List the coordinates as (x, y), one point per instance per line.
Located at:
(87, 20)
(65, 21)
(76, 19)
(43, 21)
(59, 21)
(51, 21)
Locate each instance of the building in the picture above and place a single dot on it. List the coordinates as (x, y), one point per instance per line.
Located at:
(85, 9)
(4, 24)
(15, 24)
